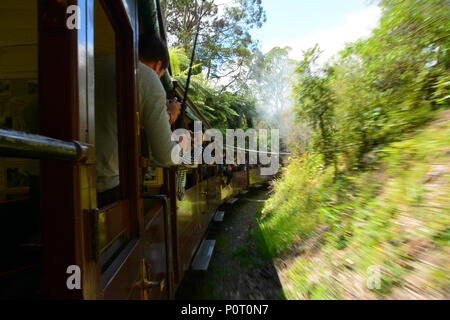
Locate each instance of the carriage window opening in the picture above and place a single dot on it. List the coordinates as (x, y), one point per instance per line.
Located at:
(106, 125)
(153, 184)
(21, 236)
(114, 217)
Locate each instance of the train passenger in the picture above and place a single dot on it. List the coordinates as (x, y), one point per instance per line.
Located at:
(156, 117)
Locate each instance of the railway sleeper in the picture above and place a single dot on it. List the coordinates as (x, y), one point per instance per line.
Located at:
(203, 256)
(219, 216)
(232, 200)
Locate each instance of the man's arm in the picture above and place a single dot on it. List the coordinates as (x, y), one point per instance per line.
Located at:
(153, 107)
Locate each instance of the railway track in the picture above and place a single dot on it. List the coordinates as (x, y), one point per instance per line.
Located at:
(236, 270)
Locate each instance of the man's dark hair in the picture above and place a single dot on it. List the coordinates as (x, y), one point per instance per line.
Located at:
(152, 48)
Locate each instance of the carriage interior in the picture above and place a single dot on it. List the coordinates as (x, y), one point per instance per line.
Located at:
(21, 227)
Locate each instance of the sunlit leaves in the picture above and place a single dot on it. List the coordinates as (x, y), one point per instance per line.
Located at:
(222, 109)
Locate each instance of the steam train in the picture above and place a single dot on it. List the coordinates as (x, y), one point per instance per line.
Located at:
(52, 230)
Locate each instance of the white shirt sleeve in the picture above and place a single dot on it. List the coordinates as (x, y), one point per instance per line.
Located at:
(154, 117)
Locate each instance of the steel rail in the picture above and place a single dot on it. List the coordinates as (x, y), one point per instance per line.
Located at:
(16, 144)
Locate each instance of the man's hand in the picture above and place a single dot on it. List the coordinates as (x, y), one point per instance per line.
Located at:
(185, 143)
(174, 109)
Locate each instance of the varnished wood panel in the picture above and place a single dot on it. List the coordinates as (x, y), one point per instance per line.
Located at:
(59, 117)
(122, 14)
(121, 285)
(155, 255)
(112, 221)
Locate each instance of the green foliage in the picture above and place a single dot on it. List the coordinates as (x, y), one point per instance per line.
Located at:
(385, 203)
(315, 102)
(378, 89)
(221, 108)
(270, 79)
(290, 214)
(225, 42)
(245, 257)
(373, 218)
(179, 61)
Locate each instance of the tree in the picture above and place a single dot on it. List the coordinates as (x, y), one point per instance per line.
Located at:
(222, 109)
(380, 88)
(271, 80)
(225, 44)
(314, 102)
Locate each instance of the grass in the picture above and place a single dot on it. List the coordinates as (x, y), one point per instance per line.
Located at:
(246, 258)
(295, 202)
(223, 241)
(395, 216)
(220, 271)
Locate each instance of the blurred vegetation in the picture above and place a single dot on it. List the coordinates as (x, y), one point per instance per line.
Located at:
(379, 88)
(329, 230)
(371, 186)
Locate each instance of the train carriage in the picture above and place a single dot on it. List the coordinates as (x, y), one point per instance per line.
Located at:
(137, 248)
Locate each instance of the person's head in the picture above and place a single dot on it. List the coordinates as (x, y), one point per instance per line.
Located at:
(153, 53)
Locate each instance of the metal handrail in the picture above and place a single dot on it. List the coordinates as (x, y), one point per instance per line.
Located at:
(16, 144)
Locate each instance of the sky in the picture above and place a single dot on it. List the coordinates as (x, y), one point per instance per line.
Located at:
(300, 24)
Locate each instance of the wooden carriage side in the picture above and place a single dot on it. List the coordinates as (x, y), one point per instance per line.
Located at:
(139, 247)
(75, 232)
